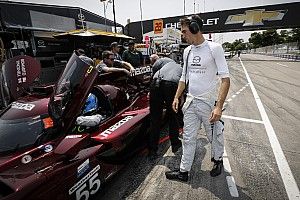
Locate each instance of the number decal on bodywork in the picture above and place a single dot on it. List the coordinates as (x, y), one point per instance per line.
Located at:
(88, 185)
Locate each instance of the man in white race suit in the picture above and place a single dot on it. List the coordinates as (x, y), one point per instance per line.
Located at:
(204, 67)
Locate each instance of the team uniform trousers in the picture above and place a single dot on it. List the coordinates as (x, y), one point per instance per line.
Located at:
(161, 98)
(196, 114)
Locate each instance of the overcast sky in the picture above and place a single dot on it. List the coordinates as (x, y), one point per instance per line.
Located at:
(151, 9)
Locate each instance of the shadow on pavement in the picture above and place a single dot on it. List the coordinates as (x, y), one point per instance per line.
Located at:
(201, 179)
(130, 182)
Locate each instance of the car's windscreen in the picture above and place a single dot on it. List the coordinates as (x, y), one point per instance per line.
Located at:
(72, 76)
(17, 134)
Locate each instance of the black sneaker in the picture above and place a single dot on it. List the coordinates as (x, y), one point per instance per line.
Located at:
(176, 147)
(177, 175)
(217, 168)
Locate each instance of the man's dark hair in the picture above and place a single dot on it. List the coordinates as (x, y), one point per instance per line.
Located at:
(106, 54)
(131, 42)
(114, 44)
(186, 21)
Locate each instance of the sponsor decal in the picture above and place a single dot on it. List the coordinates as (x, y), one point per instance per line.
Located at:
(81, 17)
(84, 167)
(158, 26)
(22, 106)
(87, 186)
(21, 71)
(41, 43)
(196, 59)
(198, 71)
(141, 70)
(206, 22)
(20, 44)
(48, 148)
(256, 17)
(114, 127)
(89, 70)
(26, 159)
(73, 136)
(196, 64)
(210, 22)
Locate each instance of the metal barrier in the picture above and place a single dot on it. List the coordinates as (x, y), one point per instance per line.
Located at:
(289, 51)
(292, 57)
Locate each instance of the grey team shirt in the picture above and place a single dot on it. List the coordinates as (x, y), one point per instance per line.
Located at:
(169, 72)
(206, 64)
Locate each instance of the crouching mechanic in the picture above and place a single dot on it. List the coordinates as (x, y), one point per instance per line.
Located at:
(204, 65)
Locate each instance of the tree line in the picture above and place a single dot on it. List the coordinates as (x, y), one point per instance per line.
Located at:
(266, 38)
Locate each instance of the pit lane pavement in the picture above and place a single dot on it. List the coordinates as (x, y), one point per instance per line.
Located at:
(261, 141)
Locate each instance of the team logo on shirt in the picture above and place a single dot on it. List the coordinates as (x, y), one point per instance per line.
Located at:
(196, 61)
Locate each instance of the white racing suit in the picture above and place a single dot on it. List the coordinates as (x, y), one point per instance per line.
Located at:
(205, 65)
(197, 110)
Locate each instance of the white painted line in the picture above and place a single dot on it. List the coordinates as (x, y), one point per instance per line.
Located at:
(232, 187)
(244, 87)
(241, 90)
(243, 119)
(226, 163)
(282, 64)
(283, 166)
(233, 96)
(225, 153)
(230, 181)
(229, 100)
(237, 92)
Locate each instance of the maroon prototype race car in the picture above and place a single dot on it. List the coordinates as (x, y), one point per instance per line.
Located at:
(44, 154)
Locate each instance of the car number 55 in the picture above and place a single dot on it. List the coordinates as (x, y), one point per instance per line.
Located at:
(84, 193)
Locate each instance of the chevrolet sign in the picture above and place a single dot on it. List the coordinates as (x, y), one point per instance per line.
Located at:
(277, 16)
(255, 17)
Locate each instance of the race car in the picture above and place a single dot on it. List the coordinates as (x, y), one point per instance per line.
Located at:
(45, 154)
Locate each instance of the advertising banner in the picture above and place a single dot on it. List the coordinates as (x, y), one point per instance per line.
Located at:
(244, 19)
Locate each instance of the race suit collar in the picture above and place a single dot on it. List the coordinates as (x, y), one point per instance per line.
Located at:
(199, 45)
